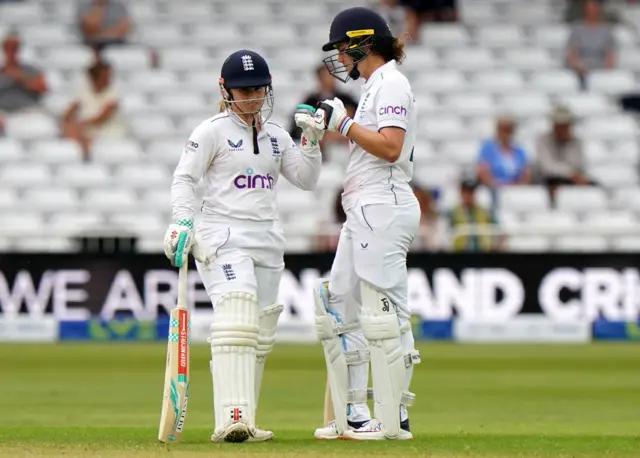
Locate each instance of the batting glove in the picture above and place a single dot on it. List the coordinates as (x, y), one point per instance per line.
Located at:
(311, 134)
(332, 115)
(179, 240)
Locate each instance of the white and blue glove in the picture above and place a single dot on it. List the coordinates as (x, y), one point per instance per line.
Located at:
(332, 115)
(179, 240)
(311, 134)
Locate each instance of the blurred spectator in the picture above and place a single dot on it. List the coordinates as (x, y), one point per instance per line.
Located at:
(327, 90)
(103, 23)
(419, 11)
(431, 234)
(501, 161)
(591, 44)
(94, 112)
(560, 157)
(327, 238)
(467, 213)
(21, 85)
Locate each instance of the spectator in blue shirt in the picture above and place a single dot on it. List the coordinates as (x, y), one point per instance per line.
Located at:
(500, 161)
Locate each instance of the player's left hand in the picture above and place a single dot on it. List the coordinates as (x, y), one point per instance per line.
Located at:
(332, 115)
(311, 134)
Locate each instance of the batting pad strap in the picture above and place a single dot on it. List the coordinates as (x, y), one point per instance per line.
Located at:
(357, 357)
(357, 396)
(407, 398)
(268, 322)
(346, 328)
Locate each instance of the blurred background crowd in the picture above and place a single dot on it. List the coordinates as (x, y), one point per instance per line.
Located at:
(528, 133)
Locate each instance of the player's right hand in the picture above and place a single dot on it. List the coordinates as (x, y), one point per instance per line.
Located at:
(178, 241)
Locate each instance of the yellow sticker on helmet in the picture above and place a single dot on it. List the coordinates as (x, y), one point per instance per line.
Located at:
(359, 33)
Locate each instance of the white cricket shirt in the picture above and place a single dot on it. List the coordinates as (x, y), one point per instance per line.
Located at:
(386, 101)
(239, 183)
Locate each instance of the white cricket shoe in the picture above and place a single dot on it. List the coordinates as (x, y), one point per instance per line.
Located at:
(374, 431)
(260, 435)
(330, 432)
(235, 432)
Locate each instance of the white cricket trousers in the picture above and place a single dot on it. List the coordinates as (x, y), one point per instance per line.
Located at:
(373, 247)
(249, 257)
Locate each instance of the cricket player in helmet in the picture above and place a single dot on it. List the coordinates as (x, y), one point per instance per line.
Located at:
(362, 314)
(240, 155)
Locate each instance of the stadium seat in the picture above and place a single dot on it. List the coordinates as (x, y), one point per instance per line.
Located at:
(463, 152)
(558, 81)
(551, 36)
(110, 199)
(548, 221)
(139, 223)
(626, 244)
(625, 35)
(525, 104)
(626, 151)
(46, 34)
(31, 126)
(25, 175)
(499, 36)
(528, 244)
(167, 33)
(581, 244)
(580, 198)
(143, 175)
(21, 13)
(45, 245)
(157, 199)
(468, 59)
(435, 175)
(444, 35)
(107, 151)
(596, 153)
(302, 13)
(586, 104)
(629, 59)
(51, 199)
(258, 13)
(153, 80)
(419, 58)
(72, 57)
(185, 58)
(83, 175)
(497, 81)
(611, 127)
(619, 220)
(470, 104)
(611, 82)
(128, 58)
(613, 176)
(66, 224)
(442, 81)
(442, 127)
(267, 35)
(166, 151)
(528, 59)
(151, 126)
(520, 198)
(21, 223)
(11, 150)
(8, 199)
(180, 103)
(198, 11)
(56, 151)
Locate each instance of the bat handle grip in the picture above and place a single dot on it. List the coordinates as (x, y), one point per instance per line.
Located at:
(182, 283)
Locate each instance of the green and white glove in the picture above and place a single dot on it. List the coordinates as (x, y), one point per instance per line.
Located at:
(179, 240)
(332, 115)
(311, 135)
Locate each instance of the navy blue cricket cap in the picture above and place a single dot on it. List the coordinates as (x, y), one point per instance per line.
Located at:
(245, 68)
(356, 22)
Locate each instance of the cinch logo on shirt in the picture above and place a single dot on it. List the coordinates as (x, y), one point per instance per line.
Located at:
(251, 181)
(390, 109)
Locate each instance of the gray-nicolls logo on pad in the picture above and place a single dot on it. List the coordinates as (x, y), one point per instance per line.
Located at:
(247, 63)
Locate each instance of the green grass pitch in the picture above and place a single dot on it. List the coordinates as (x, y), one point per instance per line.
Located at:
(472, 401)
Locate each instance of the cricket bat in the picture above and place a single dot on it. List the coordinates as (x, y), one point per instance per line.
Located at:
(176, 377)
(328, 406)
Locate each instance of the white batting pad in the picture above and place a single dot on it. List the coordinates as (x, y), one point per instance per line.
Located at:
(234, 339)
(334, 353)
(380, 326)
(268, 322)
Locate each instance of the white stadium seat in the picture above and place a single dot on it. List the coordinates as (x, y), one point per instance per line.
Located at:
(581, 244)
(223, 34)
(152, 126)
(257, 13)
(629, 59)
(462, 152)
(436, 175)
(442, 127)
(56, 151)
(167, 151)
(419, 58)
(185, 58)
(626, 244)
(526, 104)
(11, 150)
(153, 80)
(31, 126)
(45, 245)
(183, 102)
(470, 104)
(586, 104)
(528, 59)
(201, 11)
(443, 81)
(15, 13)
(51, 199)
(160, 34)
(500, 36)
(611, 82)
(580, 198)
(611, 127)
(107, 151)
(110, 199)
(468, 59)
(47, 34)
(25, 175)
(8, 199)
(613, 176)
(156, 199)
(559, 81)
(21, 223)
(545, 221)
(143, 175)
(302, 13)
(128, 58)
(140, 223)
(551, 35)
(619, 220)
(497, 81)
(267, 35)
(520, 198)
(83, 175)
(596, 152)
(444, 35)
(74, 223)
(72, 57)
(528, 244)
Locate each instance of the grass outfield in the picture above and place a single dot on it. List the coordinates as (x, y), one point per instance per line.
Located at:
(472, 401)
